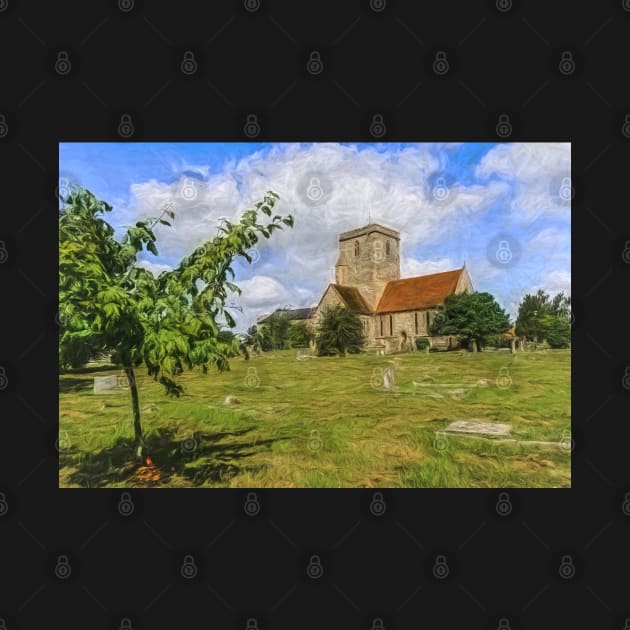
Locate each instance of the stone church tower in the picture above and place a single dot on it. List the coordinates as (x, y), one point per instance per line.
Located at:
(369, 258)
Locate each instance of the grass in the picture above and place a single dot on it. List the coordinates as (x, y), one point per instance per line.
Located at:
(328, 422)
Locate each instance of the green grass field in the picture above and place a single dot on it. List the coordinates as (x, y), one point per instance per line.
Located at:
(328, 422)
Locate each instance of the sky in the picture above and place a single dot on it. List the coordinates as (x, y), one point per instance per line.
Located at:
(503, 210)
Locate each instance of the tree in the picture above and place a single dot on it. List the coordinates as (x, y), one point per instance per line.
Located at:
(299, 335)
(258, 339)
(472, 317)
(276, 329)
(168, 323)
(340, 332)
(542, 317)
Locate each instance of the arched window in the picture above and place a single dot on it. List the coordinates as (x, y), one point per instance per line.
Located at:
(387, 248)
(356, 248)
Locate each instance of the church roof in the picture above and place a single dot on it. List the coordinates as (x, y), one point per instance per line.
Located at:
(292, 314)
(353, 298)
(418, 292)
(366, 229)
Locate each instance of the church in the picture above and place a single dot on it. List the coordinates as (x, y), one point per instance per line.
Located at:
(393, 311)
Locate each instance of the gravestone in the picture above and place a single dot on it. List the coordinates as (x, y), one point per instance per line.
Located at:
(487, 429)
(105, 384)
(388, 378)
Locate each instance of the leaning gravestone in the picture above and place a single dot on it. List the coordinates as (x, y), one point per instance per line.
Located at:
(105, 384)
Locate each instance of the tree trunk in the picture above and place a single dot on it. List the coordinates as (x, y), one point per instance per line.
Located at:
(474, 345)
(513, 345)
(137, 427)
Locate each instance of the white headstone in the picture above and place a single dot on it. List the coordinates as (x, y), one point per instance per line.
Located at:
(103, 384)
(388, 378)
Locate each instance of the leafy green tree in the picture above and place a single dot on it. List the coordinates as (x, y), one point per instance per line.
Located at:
(168, 323)
(339, 332)
(299, 335)
(276, 329)
(471, 317)
(542, 317)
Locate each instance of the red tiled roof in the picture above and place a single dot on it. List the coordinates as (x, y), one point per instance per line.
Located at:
(418, 292)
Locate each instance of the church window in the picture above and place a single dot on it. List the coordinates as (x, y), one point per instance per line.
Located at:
(415, 315)
(391, 326)
(381, 326)
(387, 248)
(356, 248)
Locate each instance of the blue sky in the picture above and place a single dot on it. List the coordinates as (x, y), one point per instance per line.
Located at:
(503, 209)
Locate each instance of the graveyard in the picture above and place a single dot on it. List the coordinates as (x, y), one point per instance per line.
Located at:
(289, 419)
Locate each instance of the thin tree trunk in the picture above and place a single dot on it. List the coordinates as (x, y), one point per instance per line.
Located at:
(137, 427)
(474, 345)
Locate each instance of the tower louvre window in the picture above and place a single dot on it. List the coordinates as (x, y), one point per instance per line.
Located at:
(356, 248)
(387, 248)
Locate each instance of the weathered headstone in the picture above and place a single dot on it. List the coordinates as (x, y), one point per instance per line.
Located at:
(488, 429)
(388, 378)
(105, 384)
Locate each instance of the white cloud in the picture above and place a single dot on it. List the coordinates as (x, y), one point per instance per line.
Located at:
(539, 174)
(155, 268)
(295, 265)
(413, 267)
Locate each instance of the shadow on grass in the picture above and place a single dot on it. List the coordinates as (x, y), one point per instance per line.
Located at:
(69, 385)
(210, 458)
